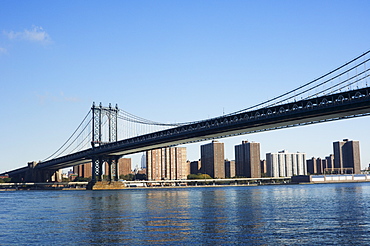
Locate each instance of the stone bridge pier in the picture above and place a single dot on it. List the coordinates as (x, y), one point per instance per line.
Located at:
(112, 169)
(40, 176)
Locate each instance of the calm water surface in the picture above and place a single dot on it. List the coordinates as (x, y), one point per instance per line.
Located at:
(330, 214)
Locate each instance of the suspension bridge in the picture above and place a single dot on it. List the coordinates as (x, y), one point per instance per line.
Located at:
(107, 133)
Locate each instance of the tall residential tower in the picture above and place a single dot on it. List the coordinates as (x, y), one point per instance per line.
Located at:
(167, 163)
(213, 161)
(347, 156)
(284, 164)
(247, 160)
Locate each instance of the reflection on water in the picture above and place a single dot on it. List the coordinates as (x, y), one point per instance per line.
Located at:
(264, 215)
(168, 216)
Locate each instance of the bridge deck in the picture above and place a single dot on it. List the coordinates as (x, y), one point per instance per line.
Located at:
(337, 106)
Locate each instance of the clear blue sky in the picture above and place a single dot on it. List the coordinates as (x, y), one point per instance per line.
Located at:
(169, 61)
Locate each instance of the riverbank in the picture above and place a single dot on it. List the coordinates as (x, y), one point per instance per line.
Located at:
(114, 185)
(144, 184)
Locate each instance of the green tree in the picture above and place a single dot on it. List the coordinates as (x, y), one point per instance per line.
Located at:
(199, 176)
(192, 176)
(6, 180)
(128, 177)
(81, 179)
(140, 177)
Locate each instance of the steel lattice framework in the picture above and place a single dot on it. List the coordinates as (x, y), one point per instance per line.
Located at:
(98, 114)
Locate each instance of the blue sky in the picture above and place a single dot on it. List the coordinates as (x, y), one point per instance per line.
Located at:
(169, 61)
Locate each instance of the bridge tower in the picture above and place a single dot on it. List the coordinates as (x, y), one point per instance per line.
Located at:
(100, 117)
(98, 114)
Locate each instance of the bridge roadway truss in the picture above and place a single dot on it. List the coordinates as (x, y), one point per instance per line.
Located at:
(350, 104)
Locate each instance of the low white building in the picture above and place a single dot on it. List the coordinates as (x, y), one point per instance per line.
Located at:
(284, 164)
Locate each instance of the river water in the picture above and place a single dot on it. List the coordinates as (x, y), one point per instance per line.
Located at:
(330, 214)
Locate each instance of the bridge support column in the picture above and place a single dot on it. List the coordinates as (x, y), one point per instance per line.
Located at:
(110, 168)
(97, 182)
(40, 175)
(97, 168)
(113, 170)
(115, 167)
(49, 176)
(31, 174)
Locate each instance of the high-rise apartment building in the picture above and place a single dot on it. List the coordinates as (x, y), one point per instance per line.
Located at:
(328, 166)
(167, 163)
(324, 165)
(320, 165)
(195, 167)
(124, 167)
(263, 167)
(247, 160)
(153, 164)
(143, 161)
(182, 168)
(229, 169)
(212, 157)
(284, 164)
(83, 170)
(312, 166)
(347, 156)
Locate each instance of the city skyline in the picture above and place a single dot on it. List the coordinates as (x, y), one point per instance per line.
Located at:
(169, 62)
(171, 163)
(193, 157)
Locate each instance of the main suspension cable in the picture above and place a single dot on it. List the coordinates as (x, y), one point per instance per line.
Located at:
(69, 137)
(300, 87)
